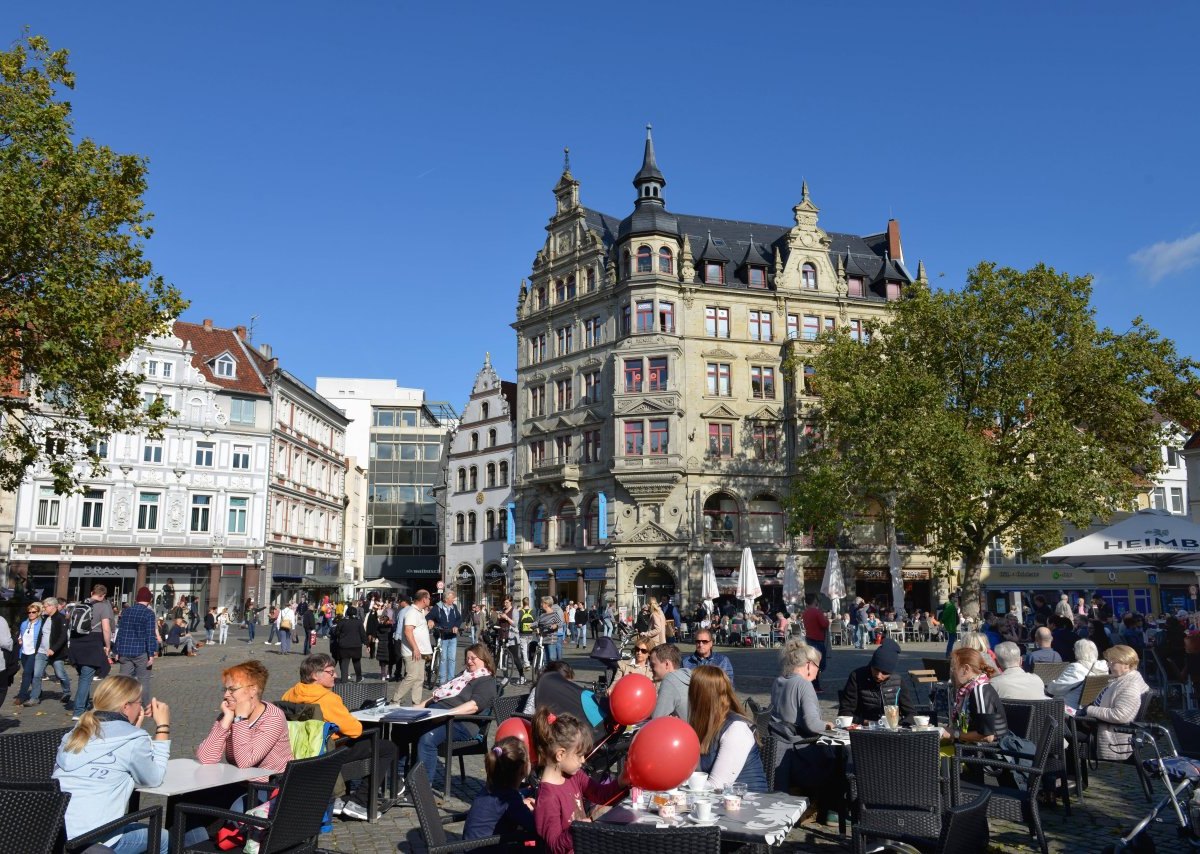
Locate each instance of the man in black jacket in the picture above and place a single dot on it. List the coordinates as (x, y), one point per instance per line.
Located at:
(57, 656)
(868, 689)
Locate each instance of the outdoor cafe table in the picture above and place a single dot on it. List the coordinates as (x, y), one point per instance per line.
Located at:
(185, 776)
(764, 819)
(408, 731)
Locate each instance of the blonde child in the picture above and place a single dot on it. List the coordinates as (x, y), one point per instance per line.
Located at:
(562, 744)
(499, 810)
(222, 625)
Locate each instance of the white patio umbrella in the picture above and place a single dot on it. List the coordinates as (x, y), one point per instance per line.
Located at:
(748, 588)
(1148, 539)
(793, 585)
(708, 585)
(834, 585)
(894, 564)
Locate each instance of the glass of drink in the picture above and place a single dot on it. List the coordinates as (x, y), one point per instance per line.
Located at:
(892, 715)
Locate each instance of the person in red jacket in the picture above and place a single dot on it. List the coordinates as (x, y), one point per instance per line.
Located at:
(816, 625)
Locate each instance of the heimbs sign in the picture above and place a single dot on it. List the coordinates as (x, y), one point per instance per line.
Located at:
(1155, 538)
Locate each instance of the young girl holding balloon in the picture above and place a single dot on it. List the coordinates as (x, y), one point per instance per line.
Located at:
(500, 810)
(562, 743)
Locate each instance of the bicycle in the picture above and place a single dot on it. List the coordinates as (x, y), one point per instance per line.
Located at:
(504, 651)
(433, 663)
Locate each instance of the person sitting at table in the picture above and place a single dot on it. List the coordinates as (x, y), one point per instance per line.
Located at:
(1119, 703)
(469, 693)
(728, 745)
(248, 732)
(875, 685)
(1069, 684)
(673, 682)
(499, 810)
(317, 676)
(976, 713)
(106, 755)
(1043, 640)
(640, 663)
(706, 653)
(1014, 683)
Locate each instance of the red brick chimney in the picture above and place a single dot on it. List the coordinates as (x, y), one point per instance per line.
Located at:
(893, 235)
(241, 332)
(272, 366)
(208, 324)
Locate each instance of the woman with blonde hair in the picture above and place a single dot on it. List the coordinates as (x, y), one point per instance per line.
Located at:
(1117, 704)
(977, 641)
(657, 633)
(106, 755)
(728, 744)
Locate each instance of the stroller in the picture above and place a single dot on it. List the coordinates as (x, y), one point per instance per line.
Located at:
(605, 651)
(562, 695)
(1180, 777)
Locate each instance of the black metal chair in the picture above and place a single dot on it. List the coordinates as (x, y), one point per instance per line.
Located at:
(600, 838)
(476, 746)
(33, 818)
(29, 755)
(1027, 718)
(429, 820)
(1011, 803)
(1187, 732)
(355, 694)
(964, 828)
(507, 706)
(305, 789)
(897, 784)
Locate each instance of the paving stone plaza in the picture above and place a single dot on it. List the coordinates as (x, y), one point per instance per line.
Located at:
(192, 688)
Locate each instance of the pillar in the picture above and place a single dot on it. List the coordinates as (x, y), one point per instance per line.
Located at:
(250, 583)
(140, 581)
(62, 582)
(214, 585)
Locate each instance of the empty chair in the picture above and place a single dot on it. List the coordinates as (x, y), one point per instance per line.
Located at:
(964, 828)
(599, 838)
(29, 755)
(896, 779)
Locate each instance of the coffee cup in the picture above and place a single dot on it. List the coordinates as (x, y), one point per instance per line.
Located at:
(843, 721)
(921, 720)
(702, 810)
(732, 801)
(698, 782)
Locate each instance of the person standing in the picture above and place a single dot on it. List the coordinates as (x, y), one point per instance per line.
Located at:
(550, 627)
(210, 624)
(816, 626)
(56, 655)
(308, 625)
(92, 623)
(223, 626)
(273, 622)
(447, 623)
(35, 642)
(11, 659)
(287, 619)
(950, 624)
(414, 646)
(137, 641)
(525, 630)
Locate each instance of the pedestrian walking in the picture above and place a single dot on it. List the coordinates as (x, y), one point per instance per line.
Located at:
(91, 625)
(210, 624)
(287, 621)
(447, 621)
(137, 641)
(56, 655)
(223, 625)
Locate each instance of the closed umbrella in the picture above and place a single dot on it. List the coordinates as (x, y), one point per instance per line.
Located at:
(897, 580)
(793, 587)
(834, 585)
(708, 585)
(748, 588)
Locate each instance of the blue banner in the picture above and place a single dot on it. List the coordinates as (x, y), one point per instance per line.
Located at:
(566, 574)
(510, 535)
(602, 522)
(538, 574)
(594, 573)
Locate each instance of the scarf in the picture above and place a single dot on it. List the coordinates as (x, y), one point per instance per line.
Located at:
(455, 686)
(960, 696)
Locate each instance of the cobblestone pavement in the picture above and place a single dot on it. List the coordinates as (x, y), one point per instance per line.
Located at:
(192, 688)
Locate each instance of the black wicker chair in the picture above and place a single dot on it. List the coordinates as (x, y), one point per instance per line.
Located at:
(1010, 803)
(430, 820)
(1027, 718)
(305, 790)
(89, 843)
(354, 694)
(476, 746)
(600, 838)
(964, 828)
(507, 706)
(1187, 732)
(897, 783)
(34, 818)
(29, 755)
(770, 751)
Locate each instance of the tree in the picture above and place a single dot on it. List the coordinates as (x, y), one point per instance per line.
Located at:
(77, 295)
(1000, 410)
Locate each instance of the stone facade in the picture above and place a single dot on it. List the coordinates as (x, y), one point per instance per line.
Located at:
(662, 391)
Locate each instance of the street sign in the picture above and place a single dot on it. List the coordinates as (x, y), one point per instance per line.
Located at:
(441, 585)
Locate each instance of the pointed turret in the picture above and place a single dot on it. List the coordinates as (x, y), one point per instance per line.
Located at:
(649, 214)
(649, 171)
(566, 191)
(921, 277)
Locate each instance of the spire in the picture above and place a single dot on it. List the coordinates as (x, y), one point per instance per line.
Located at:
(649, 170)
(566, 161)
(804, 190)
(921, 277)
(487, 358)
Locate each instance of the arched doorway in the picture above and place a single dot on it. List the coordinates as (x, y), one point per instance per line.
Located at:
(653, 579)
(495, 585)
(464, 584)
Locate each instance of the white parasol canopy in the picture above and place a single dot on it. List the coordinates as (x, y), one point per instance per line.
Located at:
(894, 568)
(748, 588)
(834, 585)
(793, 584)
(708, 585)
(1148, 539)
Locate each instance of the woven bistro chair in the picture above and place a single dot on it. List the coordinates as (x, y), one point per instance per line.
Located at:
(599, 838)
(1049, 670)
(33, 818)
(476, 746)
(964, 828)
(897, 785)
(506, 707)
(1187, 732)
(355, 694)
(29, 755)
(89, 843)
(429, 820)
(1027, 718)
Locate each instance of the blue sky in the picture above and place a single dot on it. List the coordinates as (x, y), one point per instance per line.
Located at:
(372, 179)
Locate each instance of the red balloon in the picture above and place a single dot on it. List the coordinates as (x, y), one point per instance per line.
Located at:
(520, 729)
(663, 754)
(632, 699)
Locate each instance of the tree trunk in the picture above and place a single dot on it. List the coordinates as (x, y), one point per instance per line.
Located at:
(970, 598)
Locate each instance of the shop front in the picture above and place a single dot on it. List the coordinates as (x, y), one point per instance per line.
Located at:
(495, 585)
(595, 586)
(169, 583)
(304, 578)
(653, 580)
(874, 585)
(1006, 588)
(464, 586)
(539, 585)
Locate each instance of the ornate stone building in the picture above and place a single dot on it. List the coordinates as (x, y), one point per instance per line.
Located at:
(657, 406)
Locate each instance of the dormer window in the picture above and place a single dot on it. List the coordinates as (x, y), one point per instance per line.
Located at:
(714, 273)
(893, 291)
(808, 277)
(644, 264)
(855, 286)
(757, 277)
(665, 261)
(224, 366)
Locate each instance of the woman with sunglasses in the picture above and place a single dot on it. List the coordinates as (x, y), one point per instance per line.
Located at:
(248, 732)
(34, 636)
(639, 664)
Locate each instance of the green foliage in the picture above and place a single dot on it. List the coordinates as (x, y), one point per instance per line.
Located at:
(995, 411)
(77, 296)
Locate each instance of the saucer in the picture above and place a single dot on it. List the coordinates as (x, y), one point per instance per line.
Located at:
(926, 728)
(703, 822)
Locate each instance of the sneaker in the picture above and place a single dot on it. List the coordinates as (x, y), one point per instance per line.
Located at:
(338, 806)
(266, 643)
(74, 717)
(355, 810)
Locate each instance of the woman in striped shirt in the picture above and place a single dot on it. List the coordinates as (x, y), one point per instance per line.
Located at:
(249, 732)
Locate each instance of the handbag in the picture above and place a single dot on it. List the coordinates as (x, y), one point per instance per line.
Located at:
(235, 834)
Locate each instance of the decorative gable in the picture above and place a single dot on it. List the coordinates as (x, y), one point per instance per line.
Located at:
(651, 533)
(721, 411)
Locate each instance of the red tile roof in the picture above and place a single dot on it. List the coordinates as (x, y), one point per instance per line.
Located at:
(210, 342)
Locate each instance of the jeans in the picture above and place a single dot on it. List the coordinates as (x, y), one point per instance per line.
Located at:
(285, 641)
(223, 633)
(133, 840)
(33, 667)
(60, 670)
(249, 628)
(86, 674)
(861, 631)
(554, 649)
(951, 638)
(449, 657)
(273, 635)
(428, 744)
(208, 635)
(136, 667)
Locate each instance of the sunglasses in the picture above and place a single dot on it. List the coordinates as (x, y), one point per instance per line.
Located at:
(706, 643)
(640, 649)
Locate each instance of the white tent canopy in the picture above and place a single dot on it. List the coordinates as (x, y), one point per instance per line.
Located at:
(1149, 539)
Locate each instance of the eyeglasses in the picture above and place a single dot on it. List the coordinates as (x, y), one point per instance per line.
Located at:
(641, 649)
(330, 670)
(33, 611)
(232, 689)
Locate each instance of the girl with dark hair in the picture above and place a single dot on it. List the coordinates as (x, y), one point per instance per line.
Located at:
(499, 809)
(728, 744)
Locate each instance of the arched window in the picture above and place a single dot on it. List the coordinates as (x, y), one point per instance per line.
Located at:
(808, 277)
(721, 518)
(474, 478)
(474, 441)
(491, 474)
(644, 262)
(490, 531)
(570, 287)
(591, 280)
(501, 524)
(483, 412)
(460, 528)
(766, 520)
(541, 297)
(566, 524)
(591, 522)
(462, 480)
(504, 473)
(471, 530)
(665, 261)
(537, 527)
(491, 436)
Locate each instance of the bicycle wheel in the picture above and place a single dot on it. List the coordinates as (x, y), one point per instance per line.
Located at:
(433, 663)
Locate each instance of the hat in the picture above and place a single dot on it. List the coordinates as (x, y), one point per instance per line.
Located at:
(887, 658)
(144, 595)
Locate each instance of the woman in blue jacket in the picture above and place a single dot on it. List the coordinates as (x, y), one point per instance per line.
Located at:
(107, 754)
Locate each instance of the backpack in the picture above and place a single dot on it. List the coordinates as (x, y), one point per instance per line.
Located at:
(79, 618)
(526, 621)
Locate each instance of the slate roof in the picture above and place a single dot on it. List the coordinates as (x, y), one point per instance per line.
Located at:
(250, 369)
